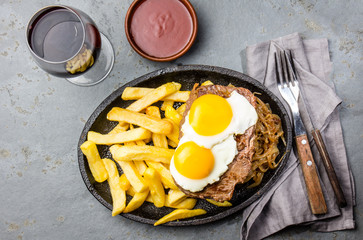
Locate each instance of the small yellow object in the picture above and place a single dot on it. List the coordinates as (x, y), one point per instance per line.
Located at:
(95, 162)
(125, 183)
(117, 193)
(220, 204)
(140, 153)
(172, 144)
(174, 135)
(206, 83)
(135, 93)
(133, 175)
(156, 188)
(172, 114)
(187, 203)
(122, 137)
(159, 140)
(165, 175)
(119, 128)
(180, 214)
(175, 196)
(154, 96)
(166, 103)
(181, 109)
(150, 123)
(137, 200)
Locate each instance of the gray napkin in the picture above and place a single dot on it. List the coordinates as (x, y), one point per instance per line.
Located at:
(286, 203)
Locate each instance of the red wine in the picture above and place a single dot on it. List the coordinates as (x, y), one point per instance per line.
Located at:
(57, 36)
(66, 42)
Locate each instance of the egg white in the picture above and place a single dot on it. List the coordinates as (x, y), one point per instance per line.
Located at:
(222, 145)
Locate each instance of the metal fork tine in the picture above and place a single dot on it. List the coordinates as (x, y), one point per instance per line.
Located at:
(277, 69)
(290, 67)
(286, 78)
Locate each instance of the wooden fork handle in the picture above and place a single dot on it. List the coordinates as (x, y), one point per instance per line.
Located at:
(315, 194)
(329, 168)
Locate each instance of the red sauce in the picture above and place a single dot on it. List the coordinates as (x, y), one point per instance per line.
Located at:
(161, 28)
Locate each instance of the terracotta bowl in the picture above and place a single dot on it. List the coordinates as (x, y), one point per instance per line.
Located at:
(129, 16)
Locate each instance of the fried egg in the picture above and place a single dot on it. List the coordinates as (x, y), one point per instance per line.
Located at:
(208, 144)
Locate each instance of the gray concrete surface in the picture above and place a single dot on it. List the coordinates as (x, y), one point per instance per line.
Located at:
(42, 195)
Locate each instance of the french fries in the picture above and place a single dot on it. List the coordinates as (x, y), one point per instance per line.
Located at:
(175, 196)
(159, 140)
(121, 137)
(140, 153)
(117, 193)
(150, 123)
(164, 173)
(172, 114)
(95, 163)
(187, 203)
(143, 152)
(220, 204)
(167, 103)
(125, 183)
(180, 214)
(181, 109)
(156, 188)
(133, 175)
(137, 200)
(154, 95)
(135, 93)
(174, 135)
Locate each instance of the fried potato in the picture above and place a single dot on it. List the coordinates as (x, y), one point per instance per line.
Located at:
(181, 109)
(117, 193)
(174, 135)
(125, 183)
(133, 175)
(154, 96)
(220, 204)
(95, 163)
(122, 137)
(140, 165)
(140, 153)
(137, 200)
(180, 214)
(208, 82)
(172, 144)
(165, 175)
(175, 196)
(166, 103)
(150, 123)
(119, 128)
(172, 114)
(135, 93)
(159, 140)
(156, 188)
(187, 203)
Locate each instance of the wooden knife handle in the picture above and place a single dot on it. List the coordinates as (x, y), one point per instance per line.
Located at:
(329, 168)
(315, 194)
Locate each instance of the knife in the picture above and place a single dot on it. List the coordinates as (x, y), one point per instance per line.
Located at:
(341, 201)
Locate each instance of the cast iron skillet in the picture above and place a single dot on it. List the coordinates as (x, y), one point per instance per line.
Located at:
(187, 76)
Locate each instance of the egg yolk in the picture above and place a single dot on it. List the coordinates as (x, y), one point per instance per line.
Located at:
(193, 161)
(210, 114)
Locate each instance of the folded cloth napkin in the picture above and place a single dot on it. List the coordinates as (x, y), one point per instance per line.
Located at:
(286, 203)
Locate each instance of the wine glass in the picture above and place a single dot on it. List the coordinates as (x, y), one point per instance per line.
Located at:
(65, 42)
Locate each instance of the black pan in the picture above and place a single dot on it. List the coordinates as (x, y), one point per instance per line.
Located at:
(187, 76)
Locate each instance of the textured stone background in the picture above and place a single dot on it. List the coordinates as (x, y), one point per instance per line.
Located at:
(42, 195)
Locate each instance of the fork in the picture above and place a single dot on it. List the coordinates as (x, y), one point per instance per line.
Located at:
(289, 90)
